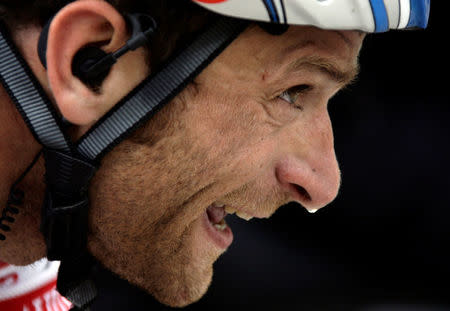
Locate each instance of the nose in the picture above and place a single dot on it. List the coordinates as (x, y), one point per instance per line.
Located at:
(308, 169)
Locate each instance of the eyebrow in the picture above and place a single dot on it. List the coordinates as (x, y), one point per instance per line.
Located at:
(327, 67)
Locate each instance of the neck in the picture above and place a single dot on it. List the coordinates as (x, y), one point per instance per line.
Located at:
(24, 243)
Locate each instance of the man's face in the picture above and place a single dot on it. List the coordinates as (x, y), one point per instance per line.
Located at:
(250, 134)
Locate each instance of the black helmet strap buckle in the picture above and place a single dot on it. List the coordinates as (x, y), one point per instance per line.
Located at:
(65, 224)
(65, 210)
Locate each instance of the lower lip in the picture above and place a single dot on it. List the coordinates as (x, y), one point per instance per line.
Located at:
(222, 238)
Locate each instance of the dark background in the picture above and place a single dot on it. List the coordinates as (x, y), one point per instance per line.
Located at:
(382, 244)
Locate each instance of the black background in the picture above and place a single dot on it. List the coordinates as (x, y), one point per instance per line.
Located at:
(382, 244)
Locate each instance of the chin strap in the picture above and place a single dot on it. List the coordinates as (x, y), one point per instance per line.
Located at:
(70, 167)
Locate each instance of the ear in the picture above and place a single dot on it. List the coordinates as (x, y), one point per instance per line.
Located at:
(90, 23)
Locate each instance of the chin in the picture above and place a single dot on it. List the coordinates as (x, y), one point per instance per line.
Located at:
(184, 291)
(188, 276)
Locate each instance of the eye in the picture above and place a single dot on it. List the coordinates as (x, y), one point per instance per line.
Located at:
(292, 94)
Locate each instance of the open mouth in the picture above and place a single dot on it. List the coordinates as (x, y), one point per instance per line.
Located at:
(217, 228)
(216, 215)
(216, 225)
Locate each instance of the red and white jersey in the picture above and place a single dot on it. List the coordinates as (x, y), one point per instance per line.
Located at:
(31, 288)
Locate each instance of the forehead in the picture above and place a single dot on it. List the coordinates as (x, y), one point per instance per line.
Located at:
(256, 49)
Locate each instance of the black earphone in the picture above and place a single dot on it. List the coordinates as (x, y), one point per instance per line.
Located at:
(91, 64)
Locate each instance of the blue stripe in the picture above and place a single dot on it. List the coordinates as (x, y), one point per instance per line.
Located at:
(420, 11)
(272, 12)
(380, 15)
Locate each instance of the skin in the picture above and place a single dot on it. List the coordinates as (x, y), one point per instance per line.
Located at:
(227, 138)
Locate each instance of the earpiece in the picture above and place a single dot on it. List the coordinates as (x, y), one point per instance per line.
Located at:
(91, 64)
(84, 60)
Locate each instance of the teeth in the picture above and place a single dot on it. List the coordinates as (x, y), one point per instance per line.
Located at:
(312, 211)
(217, 204)
(243, 216)
(222, 225)
(230, 210)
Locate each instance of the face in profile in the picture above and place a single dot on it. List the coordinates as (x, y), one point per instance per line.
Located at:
(250, 134)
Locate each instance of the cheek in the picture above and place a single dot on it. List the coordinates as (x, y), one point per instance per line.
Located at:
(234, 132)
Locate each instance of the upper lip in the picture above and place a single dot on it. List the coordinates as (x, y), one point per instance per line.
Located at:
(244, 212)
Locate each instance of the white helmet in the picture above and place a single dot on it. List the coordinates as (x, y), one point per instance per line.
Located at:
(364, 15)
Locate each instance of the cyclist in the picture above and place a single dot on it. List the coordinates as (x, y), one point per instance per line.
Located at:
(130, 129)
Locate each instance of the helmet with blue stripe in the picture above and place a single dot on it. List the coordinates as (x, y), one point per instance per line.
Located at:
(363, 15)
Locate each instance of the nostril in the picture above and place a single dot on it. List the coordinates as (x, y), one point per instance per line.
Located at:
(302, 192)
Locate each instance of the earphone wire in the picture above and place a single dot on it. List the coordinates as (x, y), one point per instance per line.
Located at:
(15, 199)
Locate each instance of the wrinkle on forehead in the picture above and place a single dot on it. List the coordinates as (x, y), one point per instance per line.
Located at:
(348, 41)
(333, 53)
(341, 76)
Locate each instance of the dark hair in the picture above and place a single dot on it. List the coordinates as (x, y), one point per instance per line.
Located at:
(178, 20)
